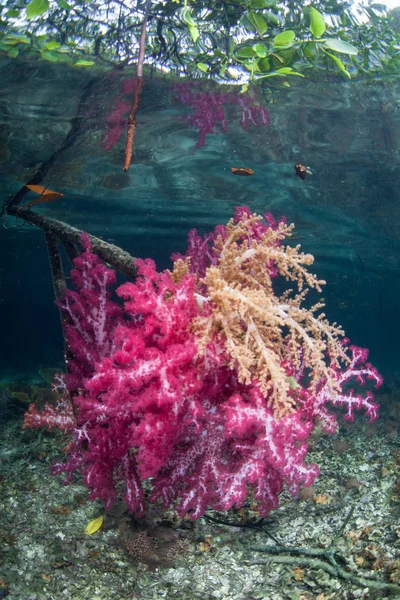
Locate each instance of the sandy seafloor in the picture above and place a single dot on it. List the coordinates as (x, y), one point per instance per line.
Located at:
(355, 503)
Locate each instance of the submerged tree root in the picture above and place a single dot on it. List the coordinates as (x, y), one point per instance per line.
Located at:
(58, 232)
(306, 557)
(70, 237)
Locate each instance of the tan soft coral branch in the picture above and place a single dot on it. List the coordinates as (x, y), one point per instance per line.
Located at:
(289, 262)
(262, 331)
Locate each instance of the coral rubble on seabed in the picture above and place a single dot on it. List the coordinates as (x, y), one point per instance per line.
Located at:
(45, 554)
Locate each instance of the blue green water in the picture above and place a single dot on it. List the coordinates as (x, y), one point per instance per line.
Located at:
(346, 213)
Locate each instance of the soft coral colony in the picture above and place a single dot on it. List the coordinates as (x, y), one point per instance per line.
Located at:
(204, 380)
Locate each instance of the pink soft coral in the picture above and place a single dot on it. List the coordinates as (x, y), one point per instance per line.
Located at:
(141, 402)
(208, 109)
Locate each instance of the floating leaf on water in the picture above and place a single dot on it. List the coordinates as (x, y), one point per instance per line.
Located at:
(38, 189)
(94, 525)
(242, 171)
(301, 171)
(46, 195)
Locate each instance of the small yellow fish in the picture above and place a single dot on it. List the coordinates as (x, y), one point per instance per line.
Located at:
(94, 525)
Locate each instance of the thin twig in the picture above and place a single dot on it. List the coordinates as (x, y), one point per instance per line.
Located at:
(132, 124)
(136, 100)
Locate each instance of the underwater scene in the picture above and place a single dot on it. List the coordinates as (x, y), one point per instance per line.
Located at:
(199, 292)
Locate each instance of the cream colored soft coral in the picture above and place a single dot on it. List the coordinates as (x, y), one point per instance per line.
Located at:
(262, 331)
